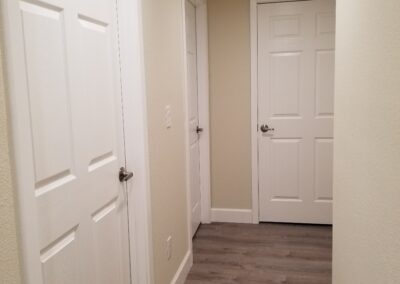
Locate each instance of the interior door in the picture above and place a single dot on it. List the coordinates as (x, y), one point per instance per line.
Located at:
(296, 54)
(193, 114)
(66, 70)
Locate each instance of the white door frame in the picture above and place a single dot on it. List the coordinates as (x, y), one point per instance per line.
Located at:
(254, 103)
(133, 93)
(203, 105)
(136, 138)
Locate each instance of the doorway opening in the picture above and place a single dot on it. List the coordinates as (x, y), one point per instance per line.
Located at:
(293, 49)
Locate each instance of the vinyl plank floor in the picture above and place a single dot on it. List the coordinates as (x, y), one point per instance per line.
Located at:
(227, 253)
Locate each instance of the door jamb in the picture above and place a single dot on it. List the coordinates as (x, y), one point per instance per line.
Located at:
(254, 109)
(136, 138)
(203, 105)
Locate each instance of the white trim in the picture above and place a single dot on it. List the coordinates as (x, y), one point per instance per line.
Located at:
(186, 125)
(254, 112)
(136, 138)
(204, 105)
(231, 215)
(184, 269)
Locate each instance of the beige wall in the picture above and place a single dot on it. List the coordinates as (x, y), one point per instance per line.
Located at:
(366, 227)
(229, 59)
(163, 45)
(9, 264)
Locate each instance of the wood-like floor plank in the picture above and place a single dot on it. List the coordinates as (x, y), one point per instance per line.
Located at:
(227, 253)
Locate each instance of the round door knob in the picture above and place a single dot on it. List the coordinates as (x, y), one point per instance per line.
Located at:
(265, 128)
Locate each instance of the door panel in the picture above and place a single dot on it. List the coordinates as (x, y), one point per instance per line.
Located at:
(55, 256)
(47, 75)
(295, 95)
(74, 126)
(324, 82)
(325, 22)
(285, 162)
(107, 261)
(193, 113)
(323, 169)
(285, 83)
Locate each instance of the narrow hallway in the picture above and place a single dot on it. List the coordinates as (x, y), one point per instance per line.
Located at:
(199, 142)
(265, 253)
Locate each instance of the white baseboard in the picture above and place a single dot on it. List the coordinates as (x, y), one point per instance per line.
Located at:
(183, 270)
(231, 215)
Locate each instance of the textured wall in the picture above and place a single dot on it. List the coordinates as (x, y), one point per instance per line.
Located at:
(366, 241)
(9, 265)
(163, 47)
(230, 113)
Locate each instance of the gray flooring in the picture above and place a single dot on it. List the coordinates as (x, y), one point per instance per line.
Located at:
(266, 253)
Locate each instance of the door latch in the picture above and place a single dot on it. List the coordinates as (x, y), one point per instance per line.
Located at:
(124, 175)
(265, 128)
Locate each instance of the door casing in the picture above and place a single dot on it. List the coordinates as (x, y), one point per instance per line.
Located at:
(130, 37)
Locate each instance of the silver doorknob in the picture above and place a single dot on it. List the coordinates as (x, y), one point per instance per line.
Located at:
(124, 175)
(265, 128)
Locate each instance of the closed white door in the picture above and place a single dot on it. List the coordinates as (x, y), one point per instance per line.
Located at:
(193, 115)
(70, 141)
(296, 54)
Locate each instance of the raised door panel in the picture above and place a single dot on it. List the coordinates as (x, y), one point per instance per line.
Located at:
(107, 251)
(285, 84)
(61, 260)
(98, 90)
(325, 83)
(47, 77)
(191, 29)
(195, 185)
(192, 98)
(192, 85)
(285, 167)
(325, 23)
(323, 174)
(191, 58)
(101, 11)
(285, 26)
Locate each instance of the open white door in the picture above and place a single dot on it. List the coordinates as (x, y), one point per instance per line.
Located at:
(68, 139)
(296, 43)
(193, 115)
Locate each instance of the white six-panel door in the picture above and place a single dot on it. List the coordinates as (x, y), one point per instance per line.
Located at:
(295, 98)
(69, 146)
(193, 115)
